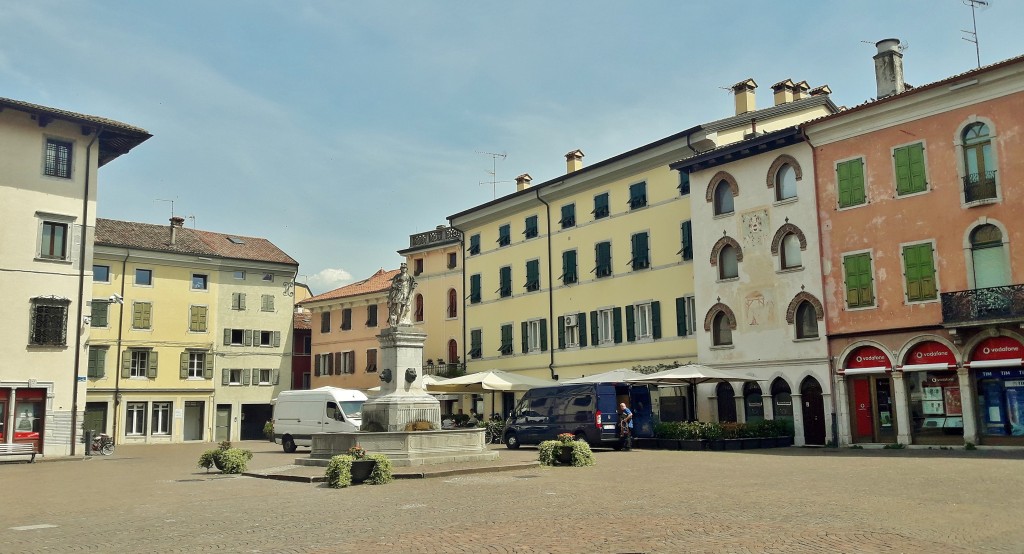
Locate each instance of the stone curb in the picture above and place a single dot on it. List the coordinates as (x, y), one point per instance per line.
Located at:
(405, 475)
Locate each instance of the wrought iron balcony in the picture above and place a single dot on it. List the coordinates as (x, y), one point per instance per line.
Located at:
(979, 186)
(443, 369)
(440, 235)
(980, 305)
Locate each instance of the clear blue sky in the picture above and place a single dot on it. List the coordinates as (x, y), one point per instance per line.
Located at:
(336, 129)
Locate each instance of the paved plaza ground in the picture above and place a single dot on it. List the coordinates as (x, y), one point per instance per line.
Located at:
(153, 499)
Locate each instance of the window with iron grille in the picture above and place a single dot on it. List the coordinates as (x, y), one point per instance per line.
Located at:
(58, 158)
(49, 322)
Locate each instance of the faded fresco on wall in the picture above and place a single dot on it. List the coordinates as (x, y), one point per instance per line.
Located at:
(754, 227)
(759, 308)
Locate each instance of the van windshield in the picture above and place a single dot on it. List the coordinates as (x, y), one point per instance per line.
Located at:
(352, 408)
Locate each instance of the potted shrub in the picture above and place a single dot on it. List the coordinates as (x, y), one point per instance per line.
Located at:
(268, 430)
(225, 458)
(715, 435)
(565, 451)
(731, 435)
(667, 435)
(358, 467)
(691, 436)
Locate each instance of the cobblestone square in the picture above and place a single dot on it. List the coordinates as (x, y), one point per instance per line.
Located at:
(153, 499)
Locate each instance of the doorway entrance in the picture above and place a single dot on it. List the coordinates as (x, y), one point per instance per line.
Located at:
(222, 430)
(95, 417)
(192, 426)
(873, 414)
(813, 412)
(254, 417)
(726, 402)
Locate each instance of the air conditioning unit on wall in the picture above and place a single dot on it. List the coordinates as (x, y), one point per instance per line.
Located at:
(570, 320)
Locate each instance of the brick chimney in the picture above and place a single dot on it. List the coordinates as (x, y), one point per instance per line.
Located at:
(744, 92)
(523, 182)
(783, 91)
(574, 161)
(889, 68)
(176, 223)
(801, 90)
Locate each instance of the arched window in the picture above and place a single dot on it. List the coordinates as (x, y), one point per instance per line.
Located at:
(453, 351)
(979, 168)
(419, 308)
(728, 266)
(453, 304)
(726, 402)
(790, 252)
(753, 403)
(785, 182)
(988, 257)
(721, 331)
(782, 400)
(723, 198)
(806, 321)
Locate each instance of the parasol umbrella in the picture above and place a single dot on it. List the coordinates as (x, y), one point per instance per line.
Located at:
(691, 375)
(491, 381)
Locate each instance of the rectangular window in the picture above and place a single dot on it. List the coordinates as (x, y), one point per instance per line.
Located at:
(267, 303)
(199, 281)
(371, 360)
(347, 362)
(325, 322)
(641, 252)
(605, 326)
(139, 363)
(850, 175)
(371, 315)
(346, 319)
(919, 270)
(237, 337)
(531, 227)
(197, 319)
(196, 365)
(101, 273)
(505, 282)
(144, 277)
(142, 313)
(267, 338)
(474, 244)
(58, 158)
(135, 424)
(642, 321)
(453, 260)
(239, 275)
(235, 376)
(686, 316)
(504, 235)
(417, 265)
(687, 241)
(684, 183)
(476, 344)
(54, 243)
(637, 195)
(238, 301)
(268, 277)
(603, 259)
(100, 311)
(49, 322)
(161, 418)
(474, 288)
(535, 336)
(859, 280)
(568, 216)
(910, 170)
(569, 272)
(532, 275)
(570, 331)
(262, 376)
(506, 340)
(97, 362)
(601, 206)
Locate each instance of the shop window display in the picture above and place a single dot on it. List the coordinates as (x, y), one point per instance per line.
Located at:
(936, 411)
(1001, 402)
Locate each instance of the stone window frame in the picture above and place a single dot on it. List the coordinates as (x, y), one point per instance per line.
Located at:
(804, 296)
(716, 250)
(709, 195)
(714, 311)
(773, 171)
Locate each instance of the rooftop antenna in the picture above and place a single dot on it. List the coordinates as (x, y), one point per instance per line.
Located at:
(972, 36)
(171, 201)
(493, 172)
(193, 218)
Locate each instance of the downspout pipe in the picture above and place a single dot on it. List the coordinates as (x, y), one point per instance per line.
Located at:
(551, 293)
(462, 247)
(83, 240)
(120, 336)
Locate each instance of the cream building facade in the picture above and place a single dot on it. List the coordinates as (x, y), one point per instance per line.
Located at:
(200, 341)
(48, 189)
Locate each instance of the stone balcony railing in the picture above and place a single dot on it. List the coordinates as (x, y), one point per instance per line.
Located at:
(981, 305)
(442, 369)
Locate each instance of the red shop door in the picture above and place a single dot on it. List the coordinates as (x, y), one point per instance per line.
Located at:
(863, 411)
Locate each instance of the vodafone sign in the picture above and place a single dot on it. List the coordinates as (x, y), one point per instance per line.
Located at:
(998, 348)
(930, 352)
(867, 356)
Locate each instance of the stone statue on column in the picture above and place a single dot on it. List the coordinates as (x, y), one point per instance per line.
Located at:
(400, 297)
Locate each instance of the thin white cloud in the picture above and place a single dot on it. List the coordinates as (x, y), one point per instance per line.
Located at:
(328, 279)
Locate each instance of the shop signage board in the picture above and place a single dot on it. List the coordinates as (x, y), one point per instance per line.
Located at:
(930, 352)
(998, 348)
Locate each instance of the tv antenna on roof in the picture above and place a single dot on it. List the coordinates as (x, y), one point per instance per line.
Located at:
(171, 201)
(972, 36)
(493, 172)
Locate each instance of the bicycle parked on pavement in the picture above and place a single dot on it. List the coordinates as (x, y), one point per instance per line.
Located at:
(103, 444)
(493, 432)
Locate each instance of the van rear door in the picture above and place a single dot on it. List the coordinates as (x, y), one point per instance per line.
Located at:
(608, 406)
(643, 412)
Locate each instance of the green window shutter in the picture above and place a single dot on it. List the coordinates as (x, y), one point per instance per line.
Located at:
(630, 324)
(225, 376)
(255, 376)
(850, 175)
(101, 363)
(234, 301)
(919, 268)
(91, 371)
(183, 366)
(532, 275)
(687, 240)
(227, 337)
(901, 157)
(475, 346)
(202, 318)
(656, 320)
(581, 320)
(126, 364)
(208, 365)
(151, 370)
(617, 324)
(277, 339)
(595, 335)
(544, 335)
(918, 178)
(506, 339)
(561, 332)
(245, 377)
(474, 244)
(137, 315)
(241, 301)
(681, 317)
(474, 288)
(99, 313)
(859, 287)
(525, 337)
(247, 340)
(857, 181)
(275, 377)
(147, 310)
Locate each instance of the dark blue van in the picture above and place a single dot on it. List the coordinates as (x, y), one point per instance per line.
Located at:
(587, 410)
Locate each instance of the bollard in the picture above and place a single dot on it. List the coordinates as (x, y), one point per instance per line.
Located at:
(87, 437)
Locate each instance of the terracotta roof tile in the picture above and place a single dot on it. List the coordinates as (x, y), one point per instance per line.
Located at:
(302, 320)
(378, 282)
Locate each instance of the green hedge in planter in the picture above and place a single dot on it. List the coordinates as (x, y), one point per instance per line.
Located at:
(339, 471)
(581, 453)
(226, 459)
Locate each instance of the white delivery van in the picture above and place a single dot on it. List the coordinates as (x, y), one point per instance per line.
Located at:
(300, 413)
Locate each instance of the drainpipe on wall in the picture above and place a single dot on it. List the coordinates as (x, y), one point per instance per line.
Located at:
(551, 293)
(81, 289)
(120, 335)
(462, 247)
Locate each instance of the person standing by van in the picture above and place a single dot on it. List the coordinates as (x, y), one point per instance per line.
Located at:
(626, 426)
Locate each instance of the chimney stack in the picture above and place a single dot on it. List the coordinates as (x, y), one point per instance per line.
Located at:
(176, 223)
(889, 68)
(523, 182)
(574, 161)
(744, 91)
(783, 91)
(801, 90)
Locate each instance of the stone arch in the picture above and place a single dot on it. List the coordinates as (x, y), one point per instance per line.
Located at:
(910, 344)
(841, 358)
(804, 296)
(786, 229)
(719, 307)
(721, 176)
(970, 345)
(722, 243)
(777, 165)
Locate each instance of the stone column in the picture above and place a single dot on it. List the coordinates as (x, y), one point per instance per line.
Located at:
(741, 411)
(767, 406)
(9, 424)
(899, 393)
(798, 419)
(843, 417)
(403, 400)
(970, 411)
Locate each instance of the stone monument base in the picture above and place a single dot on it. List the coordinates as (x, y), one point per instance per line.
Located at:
(394, 412)
(404, 449)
